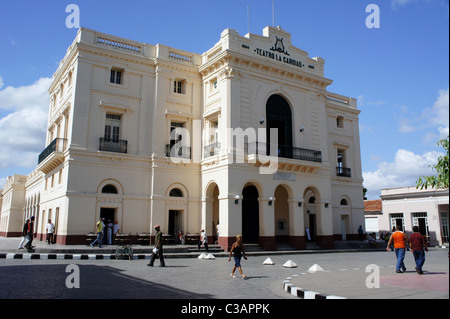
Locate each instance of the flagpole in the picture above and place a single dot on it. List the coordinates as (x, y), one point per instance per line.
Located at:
(273, 12)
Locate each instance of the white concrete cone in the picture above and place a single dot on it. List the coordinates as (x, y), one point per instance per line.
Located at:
(268, 261)
(202, 256)
(290, 264)
(315, 268)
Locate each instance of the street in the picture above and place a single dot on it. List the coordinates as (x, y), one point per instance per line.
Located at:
(185, 278)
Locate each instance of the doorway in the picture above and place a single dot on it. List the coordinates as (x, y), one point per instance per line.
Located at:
(108, 214)
(175, 224)
(312, 227)
(344, 227)
(250, 214)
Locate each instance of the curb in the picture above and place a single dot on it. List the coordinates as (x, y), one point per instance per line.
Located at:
(68, 256)
(304, 293)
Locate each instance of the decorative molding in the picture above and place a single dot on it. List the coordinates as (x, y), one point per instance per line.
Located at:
(124, 96)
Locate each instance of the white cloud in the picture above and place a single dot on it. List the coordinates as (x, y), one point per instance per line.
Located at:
(398, 3)
(435, 118)
(23, 128)
(1, 82)
(404, 171)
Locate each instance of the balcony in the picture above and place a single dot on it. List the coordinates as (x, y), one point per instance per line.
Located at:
(113, 145)
(343, 172)
(285, 151)
(52, 156)
(183, 152)
(288, 158)
(211, 150)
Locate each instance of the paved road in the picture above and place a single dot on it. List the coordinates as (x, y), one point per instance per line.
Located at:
(209, 279)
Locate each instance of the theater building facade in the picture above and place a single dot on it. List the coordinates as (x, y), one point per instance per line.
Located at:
(242, 139)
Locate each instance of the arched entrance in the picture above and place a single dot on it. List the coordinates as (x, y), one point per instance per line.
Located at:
(210, 219)
(279, 116)
(310, 214)
(250, 214)
(281, 215)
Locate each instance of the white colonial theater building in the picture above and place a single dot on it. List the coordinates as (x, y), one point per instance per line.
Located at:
(244, 136)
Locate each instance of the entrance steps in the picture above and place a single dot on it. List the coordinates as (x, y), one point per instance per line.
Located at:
(311, 245)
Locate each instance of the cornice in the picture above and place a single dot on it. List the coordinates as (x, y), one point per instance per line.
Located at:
(257, 65)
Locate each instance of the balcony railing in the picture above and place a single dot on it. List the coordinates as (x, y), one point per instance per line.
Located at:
(211, 150)
(57, 145)
(178, 152)
(285, 151)
(344, 171)
(112, 145)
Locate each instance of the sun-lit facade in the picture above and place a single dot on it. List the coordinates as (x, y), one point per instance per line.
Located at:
(243, 139)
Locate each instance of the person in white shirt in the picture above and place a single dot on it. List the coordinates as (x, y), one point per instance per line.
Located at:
(203, 240)
(50, 230)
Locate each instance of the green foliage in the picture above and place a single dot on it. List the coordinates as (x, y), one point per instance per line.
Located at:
(441, 179)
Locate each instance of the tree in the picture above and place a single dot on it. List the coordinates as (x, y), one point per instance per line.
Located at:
(441, 179)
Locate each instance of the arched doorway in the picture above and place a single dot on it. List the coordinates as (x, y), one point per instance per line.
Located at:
(310, 214)
(281, 215)
(250, 214)
(211, 217)
(279, 116)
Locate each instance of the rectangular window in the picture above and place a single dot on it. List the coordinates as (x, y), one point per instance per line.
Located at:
(340, 158)
(340, 122)
(116, 76)
(112, 128)
(178, 86)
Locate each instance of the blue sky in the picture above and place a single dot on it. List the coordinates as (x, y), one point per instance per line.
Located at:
(399, 72)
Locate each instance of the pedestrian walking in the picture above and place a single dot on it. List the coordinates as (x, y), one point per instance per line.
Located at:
(418, 247)
(158, 250)
(399, 238)
(99, 240)
(50, 229)
(25, 238)
(239, 252)
(30, 233)
(360, 233)
(203, 240)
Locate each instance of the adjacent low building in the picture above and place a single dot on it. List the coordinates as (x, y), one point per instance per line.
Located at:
(242, 139)
(406, 207)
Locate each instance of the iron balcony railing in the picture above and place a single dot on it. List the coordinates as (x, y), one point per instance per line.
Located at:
(113, 145)
(343, 171)
(57, 145)
(211, 150)
(285, 151)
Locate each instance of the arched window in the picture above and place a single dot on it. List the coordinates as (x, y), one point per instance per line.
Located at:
(279, 116)
(312, 200)
(109, 189)
(344, 202)
(176, 193)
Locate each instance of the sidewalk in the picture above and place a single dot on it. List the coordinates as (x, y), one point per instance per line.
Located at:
(9, 249)
(359, 283)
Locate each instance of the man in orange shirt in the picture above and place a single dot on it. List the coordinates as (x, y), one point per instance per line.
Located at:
(400, 241)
